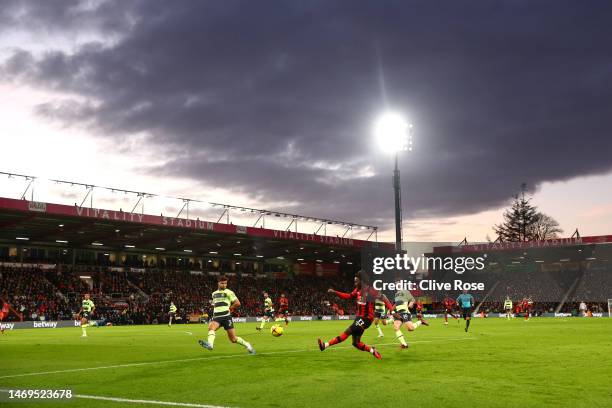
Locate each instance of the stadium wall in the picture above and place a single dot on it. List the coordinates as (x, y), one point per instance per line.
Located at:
(77, 323)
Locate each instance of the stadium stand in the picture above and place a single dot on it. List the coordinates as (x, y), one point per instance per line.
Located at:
(53, 294)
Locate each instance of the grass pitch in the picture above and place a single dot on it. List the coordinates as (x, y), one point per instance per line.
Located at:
(540, 363)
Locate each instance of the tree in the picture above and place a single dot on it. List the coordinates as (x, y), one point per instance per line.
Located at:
(518, 219)
(544, 227)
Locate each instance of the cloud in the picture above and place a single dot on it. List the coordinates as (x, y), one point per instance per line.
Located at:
(276, 100)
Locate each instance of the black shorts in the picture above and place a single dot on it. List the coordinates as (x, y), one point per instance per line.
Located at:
(448, 311)
(269, 313)
(403, 317)
(380, 315)
(172, 314)
(226, 322)
(85, 315)
(283, 311)
(360, 325)
(466, 312)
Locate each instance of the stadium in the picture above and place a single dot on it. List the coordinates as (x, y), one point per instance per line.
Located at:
(321, 204)
(138, 262)
(135, 266)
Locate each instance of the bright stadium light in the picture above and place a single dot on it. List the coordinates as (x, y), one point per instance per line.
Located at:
(392, 133)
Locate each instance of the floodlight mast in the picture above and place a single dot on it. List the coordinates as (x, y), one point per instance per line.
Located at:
(397, 188)
(393, 135)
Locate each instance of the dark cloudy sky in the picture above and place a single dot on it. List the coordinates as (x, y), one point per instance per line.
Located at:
(272, 103)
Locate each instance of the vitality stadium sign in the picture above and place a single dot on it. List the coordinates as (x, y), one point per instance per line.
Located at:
(50, 209)
(312, 237)
(524, 245)
(548, 243)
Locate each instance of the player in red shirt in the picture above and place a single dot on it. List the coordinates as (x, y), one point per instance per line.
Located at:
(283, 309)
(365, 296)
(419, 309)
(527, 304)
(448, 309)
(4, 313)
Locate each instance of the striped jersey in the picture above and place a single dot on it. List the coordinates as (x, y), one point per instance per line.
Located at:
(379, 306)
(402, 300)
(87, 305)
(268, 305)
(222, 300)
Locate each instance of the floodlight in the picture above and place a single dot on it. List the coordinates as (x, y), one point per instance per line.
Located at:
(391, 132)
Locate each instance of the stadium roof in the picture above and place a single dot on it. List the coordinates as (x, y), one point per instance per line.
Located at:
(57, 225)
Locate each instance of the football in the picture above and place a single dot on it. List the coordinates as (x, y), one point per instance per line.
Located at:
(276, 330)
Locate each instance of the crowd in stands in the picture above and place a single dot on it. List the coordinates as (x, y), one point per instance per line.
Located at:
(138, 297)
(31, 295)
(546, 288)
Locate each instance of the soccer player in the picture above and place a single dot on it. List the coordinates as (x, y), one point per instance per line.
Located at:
(404, 301)
(419, 309)
(365, 296)
(379, 315)
(4, 313)
(268, 311)
(225, 302)
(171, 313)
(449, 303)
(466, 302)
(283, 309)
(87, 309)
(508, 307)
(527, 304)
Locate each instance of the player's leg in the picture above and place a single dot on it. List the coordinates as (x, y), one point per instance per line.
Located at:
(338, 339)
(397, 327)
(84, 326)
(358, 344)
(1, 319)
(231, 334)
(210, 341)
(390, 318)
(264, 319)
(423, 321)
(280, 317)
(412, 326)
(170, 320)
(446, 316)
(467, 315)
(376, 324)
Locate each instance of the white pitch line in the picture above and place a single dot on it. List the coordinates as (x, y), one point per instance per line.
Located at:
(74, 370)
(138, 401)
(152, 402)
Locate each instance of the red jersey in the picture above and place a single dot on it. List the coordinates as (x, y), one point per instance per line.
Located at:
(5, 308)
(449, 303)
(419, 306)
(526, 304)
(284, 302)
(365, 297)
